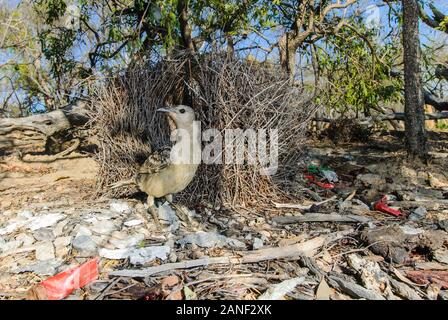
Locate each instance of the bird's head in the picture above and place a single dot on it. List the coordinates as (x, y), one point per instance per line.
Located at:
(183, 116)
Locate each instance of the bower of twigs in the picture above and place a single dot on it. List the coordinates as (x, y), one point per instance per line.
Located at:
(225, 93)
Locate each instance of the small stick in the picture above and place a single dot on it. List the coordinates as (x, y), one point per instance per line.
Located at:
(306, 248)
(300, 206)
(322, 217)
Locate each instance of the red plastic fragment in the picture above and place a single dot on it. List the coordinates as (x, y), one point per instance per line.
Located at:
(383, 207)
(429, 276)
(64, 283)
(312, 179)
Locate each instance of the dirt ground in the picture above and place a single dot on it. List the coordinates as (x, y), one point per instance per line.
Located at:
(334, 244)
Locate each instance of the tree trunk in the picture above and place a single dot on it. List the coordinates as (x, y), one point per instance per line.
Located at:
(414, 99)
(185, 29)
(32, 134)
(287, 51)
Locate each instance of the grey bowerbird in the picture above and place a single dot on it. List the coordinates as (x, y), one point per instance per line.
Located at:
(170, 170)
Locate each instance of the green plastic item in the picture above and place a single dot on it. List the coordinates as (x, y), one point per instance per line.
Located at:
(315, 169)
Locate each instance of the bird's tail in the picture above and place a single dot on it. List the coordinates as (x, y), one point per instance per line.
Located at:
(122, 183)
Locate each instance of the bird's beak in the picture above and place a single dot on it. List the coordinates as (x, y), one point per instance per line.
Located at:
(164, 110)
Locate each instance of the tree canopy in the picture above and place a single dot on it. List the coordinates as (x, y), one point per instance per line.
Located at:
(51, 50)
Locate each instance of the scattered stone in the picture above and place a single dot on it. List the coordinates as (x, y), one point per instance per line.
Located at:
(62, 246)
(442, 224)
(145, 255)
(43, 234)
(127, 242)
(119, 234)
(133, 223)
(115, 254)
(279, 290)
(46, 220)
(26, 239)
(120, 207)
(137, 256)
(105, 216)
(149, 233)
(210, 240)
(441, 255)
(11, 227)
(41, 268)
(26, 214)
(45, 251)
(265, 233)
(85, 246)
(9, 245)
(170, 243)
(59, 228)
(99, 240)
(418, 214)
(62, 241)
(83, 231)
(258, 244)
(104, 227)
(172, 257)
(168, 216)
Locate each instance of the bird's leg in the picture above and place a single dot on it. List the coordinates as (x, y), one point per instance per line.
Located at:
(180, 210)
(153, 210)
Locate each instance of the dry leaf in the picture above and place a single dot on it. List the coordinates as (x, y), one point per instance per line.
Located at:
(175, 295)
(323, 291)
(169, 281)
(189, 294)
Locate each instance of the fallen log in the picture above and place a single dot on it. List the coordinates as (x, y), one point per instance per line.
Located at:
(321, 217)
(32, 133)
(307, 248)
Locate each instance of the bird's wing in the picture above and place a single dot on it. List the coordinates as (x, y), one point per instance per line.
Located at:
(156, 162)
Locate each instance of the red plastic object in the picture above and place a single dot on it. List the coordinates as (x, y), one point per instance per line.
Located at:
(383, 207)
(64, 283)
(312, 179)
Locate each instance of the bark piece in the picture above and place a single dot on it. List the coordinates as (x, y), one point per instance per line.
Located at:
(394, 244)
(322, 217)
(30, 134)
(351, 288)
(429, 276)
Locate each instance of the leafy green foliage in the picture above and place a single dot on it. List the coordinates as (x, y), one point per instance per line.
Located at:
(358, 79)
(50, 61)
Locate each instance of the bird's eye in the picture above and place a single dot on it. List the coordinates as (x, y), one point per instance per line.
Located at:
(182, 110)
